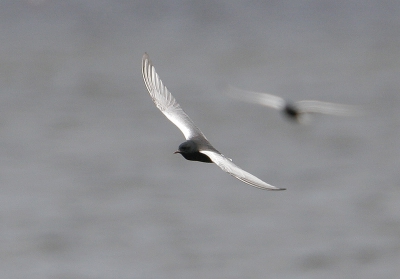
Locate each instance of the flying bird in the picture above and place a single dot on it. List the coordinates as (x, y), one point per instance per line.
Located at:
(293, 110)
(196, 147)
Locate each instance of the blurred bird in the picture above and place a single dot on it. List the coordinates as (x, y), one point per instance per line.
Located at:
(196, 147)
(293, 110)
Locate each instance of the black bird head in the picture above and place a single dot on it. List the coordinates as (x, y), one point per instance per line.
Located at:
(190, 151)
(187, 147)
(291, 111)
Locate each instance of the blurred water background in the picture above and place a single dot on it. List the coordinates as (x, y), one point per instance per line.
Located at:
(90, 187)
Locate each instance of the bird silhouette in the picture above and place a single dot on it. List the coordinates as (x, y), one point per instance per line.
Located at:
(293, 110)
(196, 147)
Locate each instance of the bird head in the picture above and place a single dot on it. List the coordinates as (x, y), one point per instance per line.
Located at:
(188, 146)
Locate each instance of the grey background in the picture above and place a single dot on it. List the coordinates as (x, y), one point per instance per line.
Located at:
(90, 187)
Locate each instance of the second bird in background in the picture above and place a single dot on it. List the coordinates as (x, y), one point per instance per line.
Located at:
(296, 111)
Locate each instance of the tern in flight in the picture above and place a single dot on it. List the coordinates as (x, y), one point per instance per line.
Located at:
(293, 110)
(196, 147)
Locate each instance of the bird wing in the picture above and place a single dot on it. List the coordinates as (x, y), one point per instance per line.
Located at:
(311, 106)
(228, 166)
(257, 97)
(165, 102)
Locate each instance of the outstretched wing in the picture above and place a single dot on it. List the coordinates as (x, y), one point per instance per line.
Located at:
(312, 106)
(166, 102)
(257, 98)
(228, 166)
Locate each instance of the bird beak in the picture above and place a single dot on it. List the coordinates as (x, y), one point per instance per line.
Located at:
(177, 152)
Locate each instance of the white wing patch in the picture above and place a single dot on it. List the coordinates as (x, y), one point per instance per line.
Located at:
(257, 98)
(311, 106)
(228, 166)
(165, 102)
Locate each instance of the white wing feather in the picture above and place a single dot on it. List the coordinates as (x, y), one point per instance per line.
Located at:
(311, 106)
(165, 102)
(257, 98)
(228, 166)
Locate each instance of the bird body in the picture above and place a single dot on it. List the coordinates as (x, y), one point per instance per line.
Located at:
(190, 151)
(196, 147)
(293, 110)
